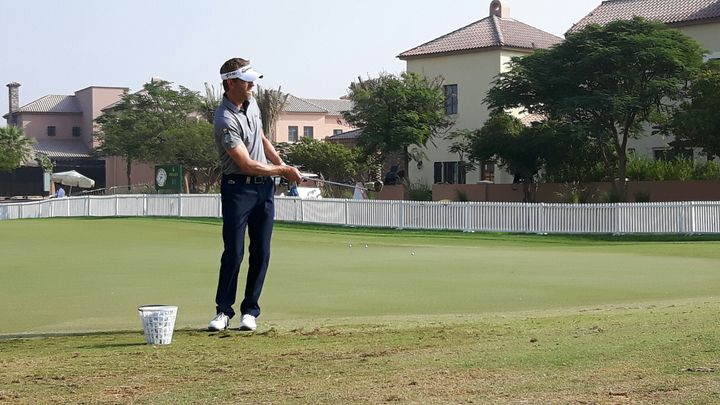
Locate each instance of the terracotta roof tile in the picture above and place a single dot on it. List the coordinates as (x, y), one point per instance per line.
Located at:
(673, 12)
(490, 32)
(323, 106)
(62, 148)
(332, 106)
(353, 134)
(53, 104)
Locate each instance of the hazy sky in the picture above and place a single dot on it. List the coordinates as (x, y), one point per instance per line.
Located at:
(311, 48)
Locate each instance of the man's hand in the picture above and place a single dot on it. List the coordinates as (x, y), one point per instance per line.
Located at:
(291, 173)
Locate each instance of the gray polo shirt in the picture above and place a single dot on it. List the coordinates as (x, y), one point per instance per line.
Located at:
(234, 126)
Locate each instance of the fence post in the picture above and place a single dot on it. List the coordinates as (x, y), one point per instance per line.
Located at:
(693, 228)
(302, 211)
(466, 217)
(117, 205)
(347, 213)
(401, 214)
(179, 211)
(145, 197)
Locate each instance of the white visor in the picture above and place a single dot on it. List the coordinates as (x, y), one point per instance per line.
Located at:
(245, 73)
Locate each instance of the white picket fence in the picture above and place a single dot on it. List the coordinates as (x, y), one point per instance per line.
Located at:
(627, 218)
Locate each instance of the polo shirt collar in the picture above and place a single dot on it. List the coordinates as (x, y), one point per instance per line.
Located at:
(232, 107)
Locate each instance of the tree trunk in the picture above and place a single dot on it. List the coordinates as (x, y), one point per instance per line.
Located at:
(405, 181)
(128, 170)
(620, 183)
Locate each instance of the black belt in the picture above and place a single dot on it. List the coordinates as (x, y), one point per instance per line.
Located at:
(243, 178)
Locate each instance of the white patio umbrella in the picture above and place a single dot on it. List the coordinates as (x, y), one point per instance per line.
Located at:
(73, 179)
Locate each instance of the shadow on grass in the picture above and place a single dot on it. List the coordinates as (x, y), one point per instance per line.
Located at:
(110, 345)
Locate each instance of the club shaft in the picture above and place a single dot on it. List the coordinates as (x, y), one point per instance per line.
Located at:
(335, 183)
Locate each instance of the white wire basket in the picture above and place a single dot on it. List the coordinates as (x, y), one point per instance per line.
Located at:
(158, 323)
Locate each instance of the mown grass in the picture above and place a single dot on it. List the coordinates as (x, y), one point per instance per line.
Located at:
(644, 354)
(482, 318)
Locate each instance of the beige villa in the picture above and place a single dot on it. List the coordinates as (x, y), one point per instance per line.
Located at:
(469, 59)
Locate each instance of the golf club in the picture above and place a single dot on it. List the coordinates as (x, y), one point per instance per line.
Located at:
(377, 185)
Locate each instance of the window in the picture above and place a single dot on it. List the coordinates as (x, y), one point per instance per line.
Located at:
(449, 172)
(451, 99)
(292, 134)
(76, 131)
(337, 131)
(51, 131)
(308, 132)
(487, 171)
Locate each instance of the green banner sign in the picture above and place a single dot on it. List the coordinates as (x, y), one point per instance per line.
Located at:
(169, 178)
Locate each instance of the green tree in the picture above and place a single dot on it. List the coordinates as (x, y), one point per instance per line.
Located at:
(513, 146)
(697, 123)
(193, 146)
(396, 112)
(15, 148)
(575, 153)
(331, 161)
(271, 103)
(614, 78)
(132, 128)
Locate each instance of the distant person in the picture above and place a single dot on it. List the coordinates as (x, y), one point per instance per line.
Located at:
(359, 192)
(247, 192)
(391, 178)
(60, 193)
(293, 191)
(401, 179)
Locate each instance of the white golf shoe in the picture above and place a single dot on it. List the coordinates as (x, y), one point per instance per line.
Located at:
(220, 322)
(248, 322)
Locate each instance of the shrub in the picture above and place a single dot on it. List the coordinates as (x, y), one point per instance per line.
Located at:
(420, 192)
(641, 168)
(575, 193)
(707, 171)
(461, 196)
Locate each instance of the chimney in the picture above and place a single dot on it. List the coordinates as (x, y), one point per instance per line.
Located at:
(498, 9)
(14, 98)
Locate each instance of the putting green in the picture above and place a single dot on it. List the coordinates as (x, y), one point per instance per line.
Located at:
(91, 274)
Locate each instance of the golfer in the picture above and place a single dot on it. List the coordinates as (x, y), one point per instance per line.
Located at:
(248, 161)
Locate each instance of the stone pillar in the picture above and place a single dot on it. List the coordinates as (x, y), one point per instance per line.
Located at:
(14, 101)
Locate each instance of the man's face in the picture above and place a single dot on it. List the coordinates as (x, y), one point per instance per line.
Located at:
(240, 90)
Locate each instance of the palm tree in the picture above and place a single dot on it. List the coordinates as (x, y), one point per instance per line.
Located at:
(15, 148)
(271, 103)
(210, 102)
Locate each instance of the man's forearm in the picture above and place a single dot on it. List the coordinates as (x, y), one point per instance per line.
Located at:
(270, 152)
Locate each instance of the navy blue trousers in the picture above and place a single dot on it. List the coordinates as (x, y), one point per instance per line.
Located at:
(250, 206)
